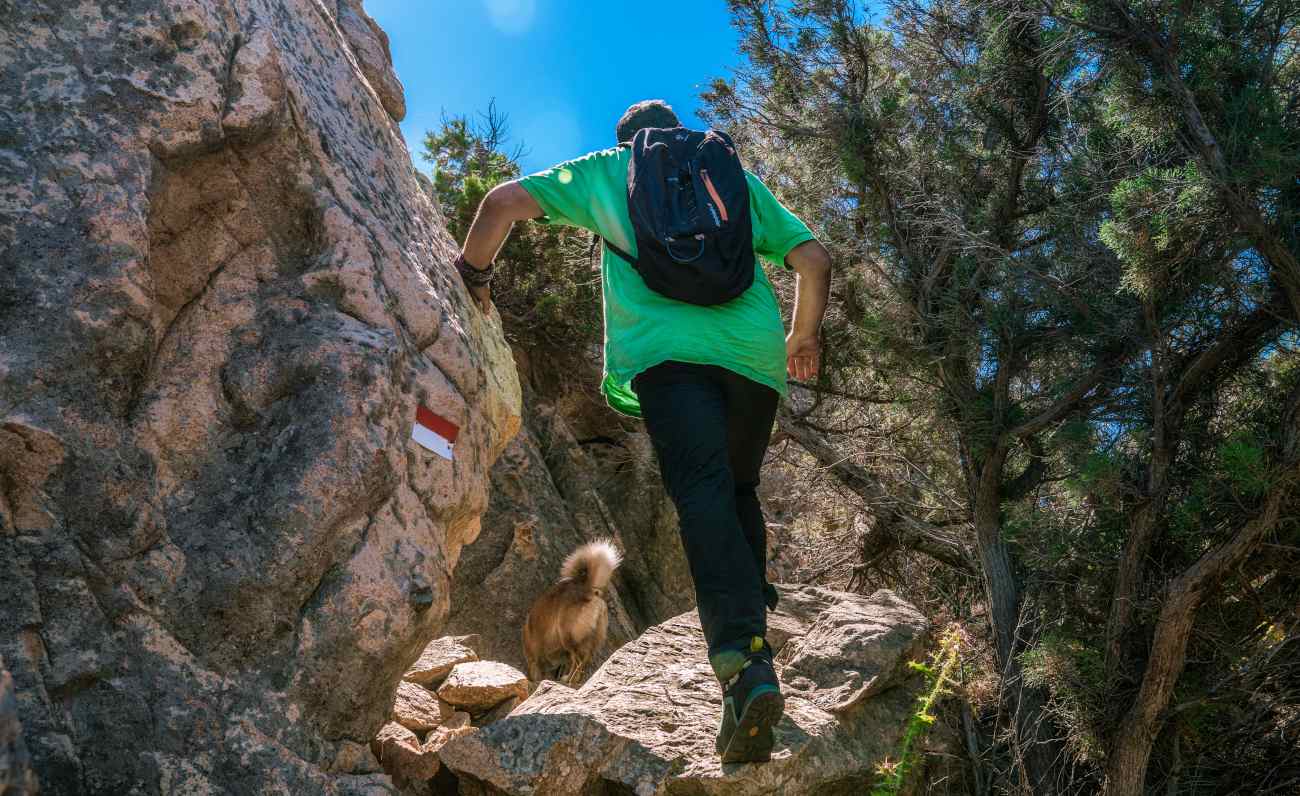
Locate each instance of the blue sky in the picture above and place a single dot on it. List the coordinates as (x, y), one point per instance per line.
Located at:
(562, 70)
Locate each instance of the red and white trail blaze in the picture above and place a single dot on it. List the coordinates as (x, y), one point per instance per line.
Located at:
(434, 432)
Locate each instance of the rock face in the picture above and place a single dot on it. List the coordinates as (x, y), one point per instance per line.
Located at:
(576, 472)
(645, 722)
(223, 297)
(369, 45)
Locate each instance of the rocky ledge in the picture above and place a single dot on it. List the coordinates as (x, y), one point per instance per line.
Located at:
(644, 723)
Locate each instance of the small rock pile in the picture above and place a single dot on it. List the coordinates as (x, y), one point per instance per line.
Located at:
(447, 693)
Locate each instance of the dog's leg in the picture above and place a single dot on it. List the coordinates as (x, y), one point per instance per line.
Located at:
(583, 649)
(530, 649)
(578, 662)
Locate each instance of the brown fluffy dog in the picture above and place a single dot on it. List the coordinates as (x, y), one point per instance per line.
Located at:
(567, 623)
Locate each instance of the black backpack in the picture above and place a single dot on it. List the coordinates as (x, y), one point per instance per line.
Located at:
(689, 204)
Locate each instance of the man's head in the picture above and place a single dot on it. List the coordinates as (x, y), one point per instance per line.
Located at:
(646, 113)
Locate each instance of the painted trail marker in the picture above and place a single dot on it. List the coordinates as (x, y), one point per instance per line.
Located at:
(434, 432)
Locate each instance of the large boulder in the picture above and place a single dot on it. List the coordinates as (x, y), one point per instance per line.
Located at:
(645, 722)
(438, 658)
(402, 754)
(417, 708)
(223, 297)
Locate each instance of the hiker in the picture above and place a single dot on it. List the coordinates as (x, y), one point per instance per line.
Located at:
(693, 345)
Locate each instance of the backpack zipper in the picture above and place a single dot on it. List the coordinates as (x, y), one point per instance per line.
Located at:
(713, 193)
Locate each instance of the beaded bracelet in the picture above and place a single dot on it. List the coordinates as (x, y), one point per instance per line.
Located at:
(474, 277)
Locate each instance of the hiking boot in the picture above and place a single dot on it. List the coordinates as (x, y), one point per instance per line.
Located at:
(751, 706)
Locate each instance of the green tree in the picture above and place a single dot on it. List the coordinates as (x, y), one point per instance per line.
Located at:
(1068, 236)
(1206, 93)
(548, 282)
(983, 320)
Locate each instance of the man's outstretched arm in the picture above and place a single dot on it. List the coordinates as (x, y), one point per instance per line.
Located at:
(499, 210)
(812, 266)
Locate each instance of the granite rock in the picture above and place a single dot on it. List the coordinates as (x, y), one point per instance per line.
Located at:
(645, 722)
(478, 686)
(439, 656)
(416, 708)
(223, 296)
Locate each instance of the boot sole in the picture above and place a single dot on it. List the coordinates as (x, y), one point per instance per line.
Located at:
(752, 741)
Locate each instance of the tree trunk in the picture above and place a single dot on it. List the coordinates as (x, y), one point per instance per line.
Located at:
(1137, 545)
(1127, 765)
(900, 529)
(1035, 746)
(1036, 749)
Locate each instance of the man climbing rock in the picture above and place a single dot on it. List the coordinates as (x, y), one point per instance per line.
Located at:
(694, 345)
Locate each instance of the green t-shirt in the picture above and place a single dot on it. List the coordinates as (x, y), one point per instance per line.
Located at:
(644, 328)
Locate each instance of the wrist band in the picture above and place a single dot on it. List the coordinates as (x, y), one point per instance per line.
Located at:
(474, 277)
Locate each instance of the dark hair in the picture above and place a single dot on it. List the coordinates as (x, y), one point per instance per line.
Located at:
(646, 113)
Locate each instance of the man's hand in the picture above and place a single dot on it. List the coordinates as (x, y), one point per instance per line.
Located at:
(483, 297)
(803, 356)
(803, 349)
(502, 207)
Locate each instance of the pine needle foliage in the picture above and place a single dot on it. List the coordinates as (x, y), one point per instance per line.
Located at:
(1063, 383)
(548, 283)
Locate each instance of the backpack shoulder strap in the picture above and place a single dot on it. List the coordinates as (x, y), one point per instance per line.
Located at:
(630, 259)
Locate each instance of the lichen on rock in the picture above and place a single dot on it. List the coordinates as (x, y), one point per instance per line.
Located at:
(224, 295)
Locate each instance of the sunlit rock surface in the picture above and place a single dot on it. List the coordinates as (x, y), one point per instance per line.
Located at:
(645, 722)
(222, 296)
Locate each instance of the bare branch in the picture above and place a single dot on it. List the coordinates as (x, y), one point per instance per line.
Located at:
(1065, 404)
(906, 531)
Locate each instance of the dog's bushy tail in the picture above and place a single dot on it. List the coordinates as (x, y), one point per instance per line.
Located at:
(593, 563)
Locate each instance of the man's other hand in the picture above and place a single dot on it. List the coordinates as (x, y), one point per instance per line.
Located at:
(812, 285)
(803, 354)
(483, 297)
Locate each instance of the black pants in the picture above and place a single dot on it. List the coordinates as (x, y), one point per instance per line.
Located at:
(710, 427)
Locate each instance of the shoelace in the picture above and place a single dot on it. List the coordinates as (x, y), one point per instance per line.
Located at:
(730, 681)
